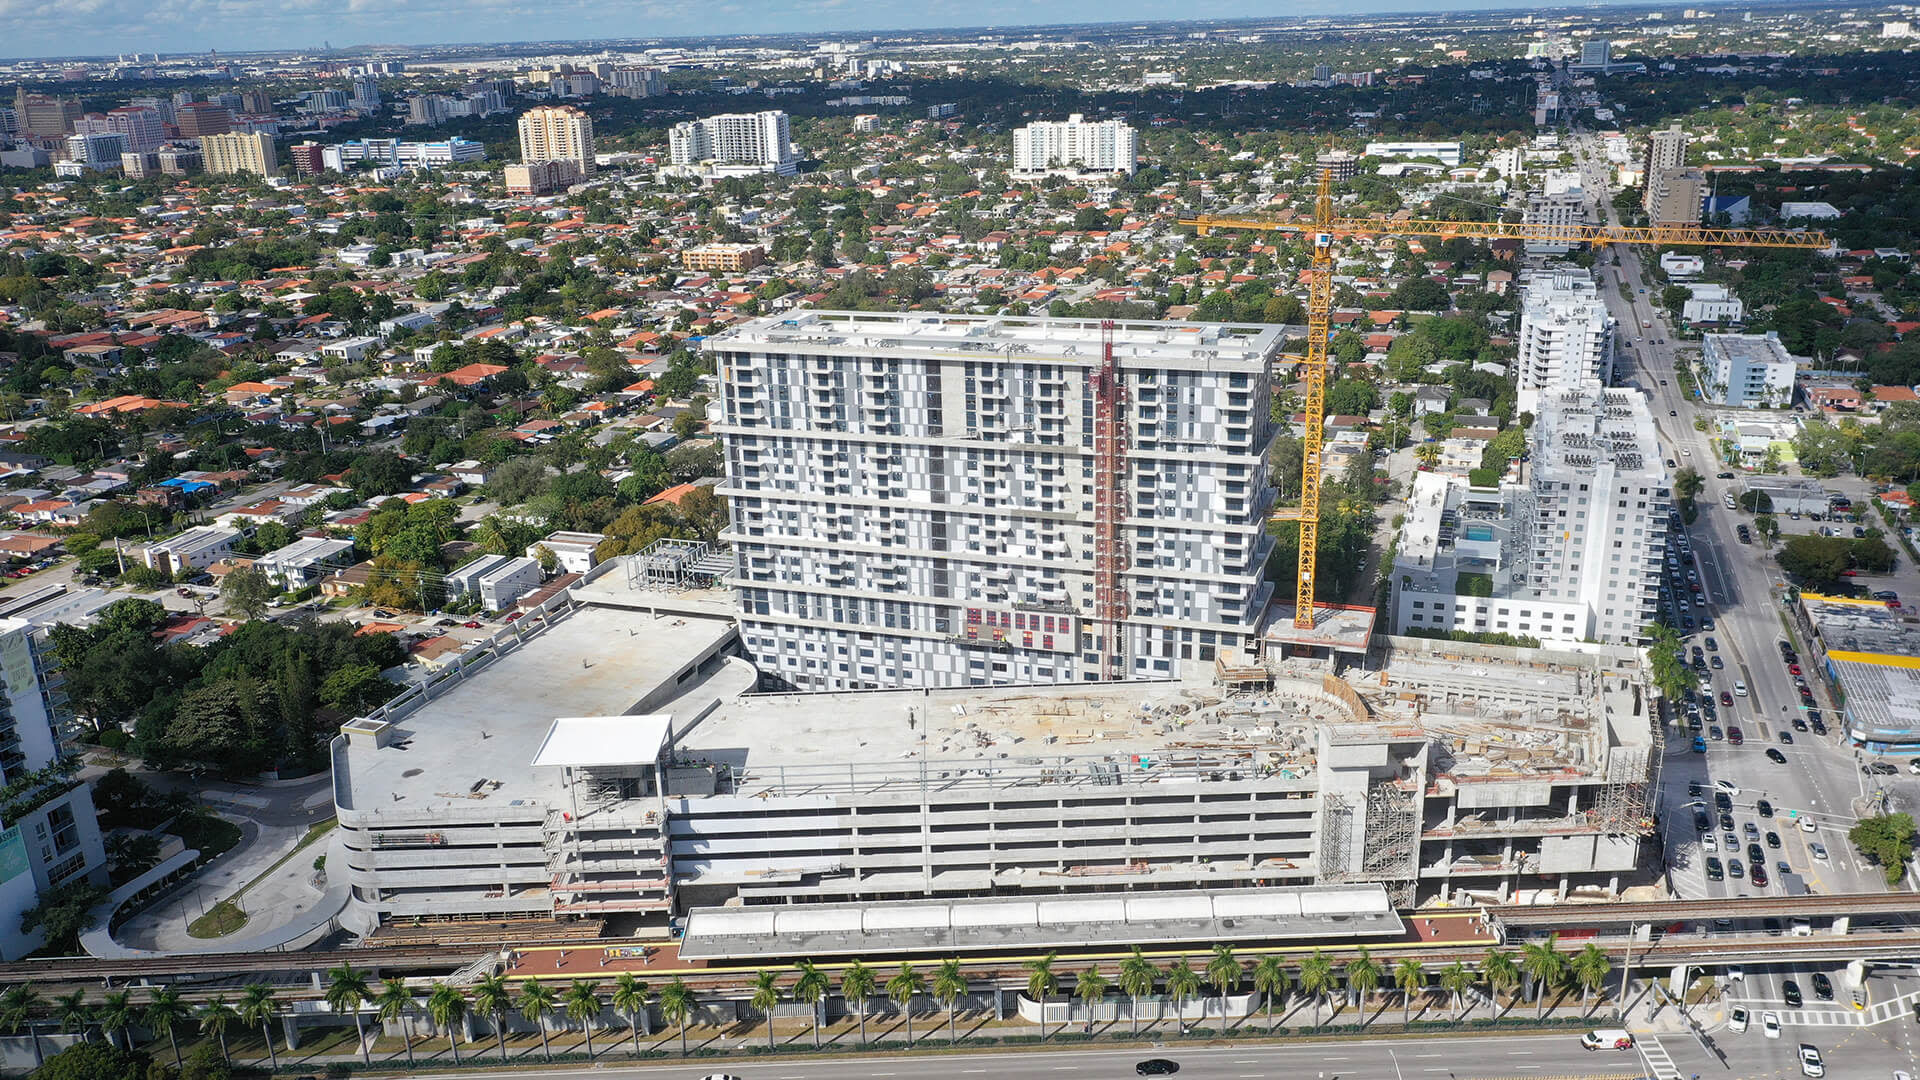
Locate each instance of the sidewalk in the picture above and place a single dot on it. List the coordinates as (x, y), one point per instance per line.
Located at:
(613, 1042)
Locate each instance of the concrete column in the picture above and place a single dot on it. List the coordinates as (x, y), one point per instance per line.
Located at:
(1613, 885)
(1842, 925)
(1677, 982)
(999, 1003)
(289, 1032)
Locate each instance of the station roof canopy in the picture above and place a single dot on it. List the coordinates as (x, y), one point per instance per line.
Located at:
(586, 741)
(1112, 918)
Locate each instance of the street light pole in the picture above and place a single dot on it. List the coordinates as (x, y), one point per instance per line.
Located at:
(1626, 974)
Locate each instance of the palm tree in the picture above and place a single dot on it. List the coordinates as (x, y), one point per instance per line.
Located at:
(1409, 975)
(1137, 976)
(949, 986)
(677, 1002)
(1501, 974)
(215, 1016)
(630, 996)
(447, 1007)
(1224, 974)
(856, 986)
(346, 992)
(72, 1012)
(1041, 982)
(116, 1013)
(811, 987)
(1182, 983)
(1270, 981)
(1091, 988)
(582, 1001)
(1363, 976)
(536, 1001)
(1589, 967)
(906, 985)
(257, 1006)
(1544, 965)
(494, 1000)
(1455, 979)
(17, 1007)
(164, 1010)
(1428, 454)
(766, 995)
(1316, 979)
(394, 1002)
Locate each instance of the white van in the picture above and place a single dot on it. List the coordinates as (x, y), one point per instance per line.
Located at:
(1608, 1039)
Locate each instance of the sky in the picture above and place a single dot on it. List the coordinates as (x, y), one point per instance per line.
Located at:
(95, 27)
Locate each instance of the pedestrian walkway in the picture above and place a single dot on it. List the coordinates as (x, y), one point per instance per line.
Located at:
(1657, 1057)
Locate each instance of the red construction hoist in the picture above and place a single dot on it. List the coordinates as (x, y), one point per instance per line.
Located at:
(1110, 599)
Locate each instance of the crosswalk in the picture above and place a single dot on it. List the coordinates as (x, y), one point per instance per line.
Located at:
(1657, 1057)
(1879, 1012)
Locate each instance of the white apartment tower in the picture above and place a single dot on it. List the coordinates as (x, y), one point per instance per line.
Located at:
(1746, 371)
(760, 142)
(51, 836)
(557, 133)
(1075, 144)
(1566, 335)
(1570, 552)
(916, 502)
(142, 127)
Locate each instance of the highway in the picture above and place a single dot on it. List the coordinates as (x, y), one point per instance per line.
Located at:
(1821, 777)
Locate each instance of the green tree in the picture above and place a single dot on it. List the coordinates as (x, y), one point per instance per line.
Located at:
(1270, 982)
(63, 914)
(117, 1013)
(73, 1013)
(1137, 978)
(165, 1011)
(95, 1061)
(811, 987)
(536, 1002)
(949, 986)
(906, 985)
(631, 996)
(215, 1016)
(447, 1007)
(1589, 969)
(18, 1006)
(1041, 983)
(1090, 986)
(1183, 984)
(1456, 979)
(1411, 977)
(677, 1004)
(766, 998)
(1317, 980)
(346, 992)
(582, 1003)
(1667, 654)
(493, 999)
(1687, 483)
(1363, 976)
(857, 984)
(1501, 975)
(258, 1008)
(394, 1004)
(1546, 966)
(246, 591)
(1886, 839)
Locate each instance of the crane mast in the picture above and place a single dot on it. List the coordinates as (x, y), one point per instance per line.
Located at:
(1325, 228)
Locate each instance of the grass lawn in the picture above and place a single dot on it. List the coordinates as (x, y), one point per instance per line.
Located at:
(220, 920)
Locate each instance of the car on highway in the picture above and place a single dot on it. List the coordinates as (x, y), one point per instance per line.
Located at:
(1739, 688)
(1714, 733)
(1818, 851)
(1810, 1063)
(1754, 854)
(1712, 645)
(1701, 822)
(1699, 745)
(1673, 412)
(1707, 842)
(1913, 766)
(1764, 808)
(1726, 700)
(1786, 737)
(1714, 870)
(1879, 768)
(1758, 875)
(1790, 992)
(1723, 476)
(1733, 842)
(1695, 789)
(1727, 788)
(1799, 724)
(1726, 822)
(1716, 663)
(719, 1076)
(1773, 839)
(1807, 824)
(1822, 986)
(1770, 1025)
(1774, 755)
(1737, 1020)
(1156, 1067)
(1735, 737)
(1819, 725)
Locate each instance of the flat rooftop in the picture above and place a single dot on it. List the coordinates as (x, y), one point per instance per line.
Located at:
(1874, 651)
(1112, 918)
(834, 743)
(1011, 338)
(474, 745)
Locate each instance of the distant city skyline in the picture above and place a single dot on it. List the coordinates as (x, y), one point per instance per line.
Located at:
(108, 27)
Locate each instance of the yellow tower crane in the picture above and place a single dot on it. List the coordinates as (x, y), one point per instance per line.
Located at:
(1325, 227)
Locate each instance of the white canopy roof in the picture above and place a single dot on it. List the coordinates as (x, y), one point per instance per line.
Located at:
(603, 740)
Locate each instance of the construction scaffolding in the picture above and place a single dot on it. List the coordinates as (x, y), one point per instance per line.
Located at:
(1336, 833)
(1621, 807)
(1110, 558)
(677, 565)
(1389, 853)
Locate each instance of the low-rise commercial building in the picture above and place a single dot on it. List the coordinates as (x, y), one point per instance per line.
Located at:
(496, 581)
(195, 549)
(304, 561)
(1746, 371)
(723, 258)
